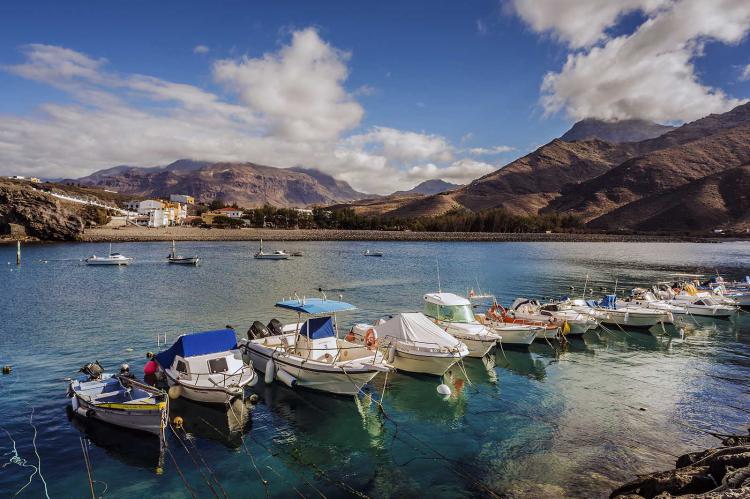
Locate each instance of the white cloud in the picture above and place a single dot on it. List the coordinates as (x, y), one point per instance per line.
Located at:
(462, 171)
(404, 146)
(579, 23)
(298, 89)
(745, 73)
(143, 120)
(490, 151)
(649, 73)
(201, 49)
(365, 90)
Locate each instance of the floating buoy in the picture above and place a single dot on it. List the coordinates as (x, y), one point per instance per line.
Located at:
(444, 390)
(7, 369)
(150, 368)
(254, 398)
(177, 421)
(128, 349)
(270, 371)
(391, 354)
(175, 391)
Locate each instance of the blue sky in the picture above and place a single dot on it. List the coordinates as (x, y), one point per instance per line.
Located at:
(424, 88)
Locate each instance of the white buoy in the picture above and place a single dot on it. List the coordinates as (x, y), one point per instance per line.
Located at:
(175, 391)
(444, 389)
(270, 371)
(391, 354)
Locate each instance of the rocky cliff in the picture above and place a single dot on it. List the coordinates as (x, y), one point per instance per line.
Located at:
(41, 215)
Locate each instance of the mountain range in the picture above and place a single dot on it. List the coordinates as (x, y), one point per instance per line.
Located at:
(693, 177)
(247, 184)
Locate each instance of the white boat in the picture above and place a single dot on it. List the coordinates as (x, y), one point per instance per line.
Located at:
(519, 335)
(571, 322)
(120, 401)
(705, 306)
(644, 298)
(110, 259)
(308, 353)
(372, 253)
(273, 255)
(455, 314)
(629, 316)
(207, 367)
(412, 343)
(173, 257)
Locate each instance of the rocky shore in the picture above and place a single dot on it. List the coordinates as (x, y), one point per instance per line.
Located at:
(136, 234)
(720, 473)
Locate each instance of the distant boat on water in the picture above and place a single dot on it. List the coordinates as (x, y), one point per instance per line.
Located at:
(372, 253)
(173, 257)
(111, 259)
(274, 255)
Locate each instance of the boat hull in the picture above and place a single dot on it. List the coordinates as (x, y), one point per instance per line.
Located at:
(271, 257)
(193, 260)
(516, 336)
(630, 319)
(142, 417)
(209, 395)
(424, 364)
(312, 375)
(119, 263)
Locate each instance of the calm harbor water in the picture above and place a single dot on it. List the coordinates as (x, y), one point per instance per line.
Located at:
(542, 423)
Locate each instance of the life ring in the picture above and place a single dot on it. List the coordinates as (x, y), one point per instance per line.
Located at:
(350, 336)
(371, 338)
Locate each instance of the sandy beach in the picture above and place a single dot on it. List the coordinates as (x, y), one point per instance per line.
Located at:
(106, 234)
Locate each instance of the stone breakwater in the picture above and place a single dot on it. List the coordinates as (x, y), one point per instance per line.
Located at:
(138, 234)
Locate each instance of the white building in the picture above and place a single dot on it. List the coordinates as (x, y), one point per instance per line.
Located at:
(304, 212)
(230, 212)
(147, 206)
(182, 198)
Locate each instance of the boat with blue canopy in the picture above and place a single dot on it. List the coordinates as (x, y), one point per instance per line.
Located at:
(206, 367)
(308, 352)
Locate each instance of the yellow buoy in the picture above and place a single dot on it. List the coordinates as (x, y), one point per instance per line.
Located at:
(177, 421)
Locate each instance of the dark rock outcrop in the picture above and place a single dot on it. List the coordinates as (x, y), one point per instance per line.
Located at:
(41, 215)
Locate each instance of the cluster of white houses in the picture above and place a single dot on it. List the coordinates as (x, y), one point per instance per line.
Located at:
(155, 213)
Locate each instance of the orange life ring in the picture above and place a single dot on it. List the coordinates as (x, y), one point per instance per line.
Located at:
(350, 336)
(371, 338)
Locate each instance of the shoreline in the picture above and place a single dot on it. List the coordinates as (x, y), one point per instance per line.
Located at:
(143, 234)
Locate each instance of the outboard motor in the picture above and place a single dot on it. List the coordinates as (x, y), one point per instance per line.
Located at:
(93, 370)
(257, 331)
(275, 326)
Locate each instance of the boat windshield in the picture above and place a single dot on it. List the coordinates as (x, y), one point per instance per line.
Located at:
(450, 313)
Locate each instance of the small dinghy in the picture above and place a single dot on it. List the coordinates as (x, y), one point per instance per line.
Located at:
(413, 343)
(206, 367)
(308, 353)
(173, 257)
(118, 400)
(372, 253)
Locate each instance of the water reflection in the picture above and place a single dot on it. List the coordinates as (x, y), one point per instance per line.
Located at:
(523, 363)
(134, 448)
(225, 424)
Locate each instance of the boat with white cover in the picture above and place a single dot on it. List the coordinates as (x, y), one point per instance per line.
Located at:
(110, 259)
(308, 353)
(455, 314)
(705, 306)
(175, 258)
(273, 255)
(412, 343)
(207, 367)
(121, 401)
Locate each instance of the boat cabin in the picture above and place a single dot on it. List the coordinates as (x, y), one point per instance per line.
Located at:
(211, 354)
(448, 307)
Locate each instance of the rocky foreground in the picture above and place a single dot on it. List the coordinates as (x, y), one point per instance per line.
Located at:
(28, 213)
(124, 234)
(720, 473)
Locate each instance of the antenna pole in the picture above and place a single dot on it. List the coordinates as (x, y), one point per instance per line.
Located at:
(585, 283)
(437, 263)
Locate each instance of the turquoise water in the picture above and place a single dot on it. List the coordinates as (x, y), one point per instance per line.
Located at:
(542, 423)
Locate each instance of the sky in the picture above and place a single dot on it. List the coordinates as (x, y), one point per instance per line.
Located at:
(381, 94)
